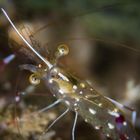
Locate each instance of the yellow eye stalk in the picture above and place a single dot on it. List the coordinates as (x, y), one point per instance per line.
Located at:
(62, 50)
(34, 79)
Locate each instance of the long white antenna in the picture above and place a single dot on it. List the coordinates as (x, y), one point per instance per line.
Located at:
(26, 42)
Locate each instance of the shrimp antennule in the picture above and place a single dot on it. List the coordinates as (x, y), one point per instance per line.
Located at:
(25, 41)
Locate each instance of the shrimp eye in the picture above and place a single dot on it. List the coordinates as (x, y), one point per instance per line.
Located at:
(62, 50)
(34, 79)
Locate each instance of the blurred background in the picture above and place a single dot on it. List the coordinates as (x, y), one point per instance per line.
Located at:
(103, 38)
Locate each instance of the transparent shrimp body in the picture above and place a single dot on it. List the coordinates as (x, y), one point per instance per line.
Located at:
(80, 97)
(94, 108)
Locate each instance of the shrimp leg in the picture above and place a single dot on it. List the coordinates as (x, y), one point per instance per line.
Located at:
(74, 125)
(50, 106)
(56, 120)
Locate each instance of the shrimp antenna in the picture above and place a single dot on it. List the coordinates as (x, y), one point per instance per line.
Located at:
(25, 41)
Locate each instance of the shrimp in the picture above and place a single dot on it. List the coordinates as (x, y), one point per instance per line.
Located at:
(79, 96)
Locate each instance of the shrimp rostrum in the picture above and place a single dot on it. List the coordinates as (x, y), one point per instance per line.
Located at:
(80, 97)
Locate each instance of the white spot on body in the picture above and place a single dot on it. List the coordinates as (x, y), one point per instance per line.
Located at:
(63, 77)
(127, 137)
(82, 85)
(97, 127)
(39, 65)
(55, 70)
(115, 110)
(111, 126)
(60, 91)
(81, 92)
(92, 111)
(91, 89)
(75, 104)
(67, 102)
(100, 104)
(75, 87)
(86, 96)
(124, 123)
(77, 99)
(114, 113)
(86, 120)
(51, 81)
(108, 135)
